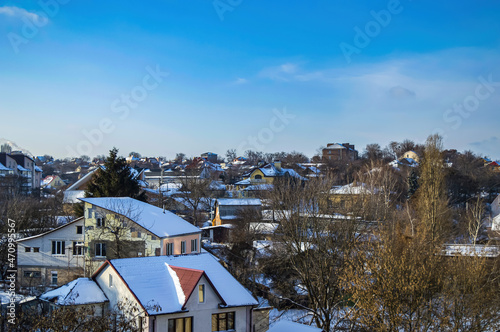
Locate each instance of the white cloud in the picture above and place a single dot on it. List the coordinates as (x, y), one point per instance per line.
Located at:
(240, 81)
(409, 96)
(289, 72)
(398, 92)
(17, 12)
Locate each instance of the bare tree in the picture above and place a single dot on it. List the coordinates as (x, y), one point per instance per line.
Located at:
(432, 202)
(196, 194)
(314, 249)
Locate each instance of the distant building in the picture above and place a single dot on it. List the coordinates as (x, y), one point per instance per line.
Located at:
(411, 155)
(210, 156)
(228, 209)
(53, 181)
(20, 174)
(337, 151)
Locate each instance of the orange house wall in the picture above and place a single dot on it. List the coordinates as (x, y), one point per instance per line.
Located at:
(177, 243)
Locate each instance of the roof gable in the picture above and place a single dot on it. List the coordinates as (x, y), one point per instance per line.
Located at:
(167, 282)
(189, 279)
(51, 231)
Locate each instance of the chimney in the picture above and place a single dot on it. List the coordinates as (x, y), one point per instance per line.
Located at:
(277, 165)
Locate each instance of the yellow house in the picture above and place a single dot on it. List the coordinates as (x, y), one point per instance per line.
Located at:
(53, 181)
(265, 175)
(228, 209)
(123, 227)
(411, 155)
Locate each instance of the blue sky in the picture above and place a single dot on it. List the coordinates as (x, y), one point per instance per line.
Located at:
(195, 76)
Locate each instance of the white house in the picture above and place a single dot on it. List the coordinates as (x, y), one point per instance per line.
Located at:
(52, 258)
(175, 293)
(495, 214)
(120, 227)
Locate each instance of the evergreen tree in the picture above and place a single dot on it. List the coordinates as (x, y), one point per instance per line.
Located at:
(115, 180)
(112, 180)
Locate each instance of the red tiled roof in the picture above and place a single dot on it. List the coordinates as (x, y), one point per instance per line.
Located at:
(188, 278)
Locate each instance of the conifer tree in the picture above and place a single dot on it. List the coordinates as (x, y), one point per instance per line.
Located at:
(115, 180)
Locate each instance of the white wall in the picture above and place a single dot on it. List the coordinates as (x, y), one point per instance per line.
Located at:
(44, 257)
(202, 312)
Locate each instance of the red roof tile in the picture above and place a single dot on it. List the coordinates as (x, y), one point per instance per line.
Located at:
(188, 278)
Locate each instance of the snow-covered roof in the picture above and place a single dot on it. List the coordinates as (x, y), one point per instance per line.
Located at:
(22, 169)
(336, 146)
(3, 168)
(77, 292)
(73, 196)
(239, 201)
(157, 281)
(471, 250)
(50, 231)
(38, 169)
(243, 182)
(204, 204)
(216, 185)
(350, 189)
(83, 180)
(287, 326)
(160, 222)
(259, 187)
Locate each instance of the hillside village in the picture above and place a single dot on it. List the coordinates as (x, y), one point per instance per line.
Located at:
(349, 239)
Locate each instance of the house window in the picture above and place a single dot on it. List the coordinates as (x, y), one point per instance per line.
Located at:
(100, 249)
(201, 293)
(183, 247)
(53, 278)
(27, 249)
(110, 280)
(184, 324)
(258, 177)
(194, 245)
(79, 229)
(223, 321)
(36, 249)
(78, 248)
(100, 222)
(169, 249)
(153, 238)
(32, 274)
(58, 248)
